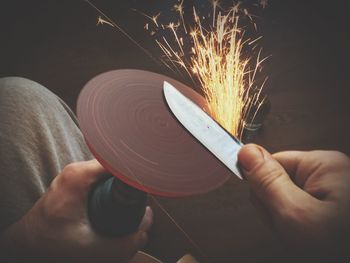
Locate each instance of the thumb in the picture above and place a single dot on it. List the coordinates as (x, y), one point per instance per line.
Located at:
(268, 179)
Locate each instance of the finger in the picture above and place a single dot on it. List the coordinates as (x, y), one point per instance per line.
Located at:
(267, 178)
(147, 220)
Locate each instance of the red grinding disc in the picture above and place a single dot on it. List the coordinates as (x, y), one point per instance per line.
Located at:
(131, 131)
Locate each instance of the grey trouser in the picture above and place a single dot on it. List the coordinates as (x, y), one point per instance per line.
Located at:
(39, 135)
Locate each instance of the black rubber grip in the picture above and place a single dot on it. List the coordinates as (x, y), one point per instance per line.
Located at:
(115, 209)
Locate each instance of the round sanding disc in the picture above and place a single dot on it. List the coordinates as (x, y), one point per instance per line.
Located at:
(130, 130)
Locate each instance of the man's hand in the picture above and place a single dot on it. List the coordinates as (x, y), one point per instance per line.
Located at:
(57, 228)
(305, 196)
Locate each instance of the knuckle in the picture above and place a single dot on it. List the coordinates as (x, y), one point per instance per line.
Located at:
(71, 169)
(68, 173)
(269, 174)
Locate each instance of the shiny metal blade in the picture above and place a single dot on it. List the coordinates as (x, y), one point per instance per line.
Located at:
(217, 140)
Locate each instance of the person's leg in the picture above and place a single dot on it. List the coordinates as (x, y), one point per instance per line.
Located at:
(38, 137)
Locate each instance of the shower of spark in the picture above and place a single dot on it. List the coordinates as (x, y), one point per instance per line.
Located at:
(221, 59)
(217, 56)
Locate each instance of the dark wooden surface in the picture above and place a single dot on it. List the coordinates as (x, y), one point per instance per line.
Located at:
(57, 44)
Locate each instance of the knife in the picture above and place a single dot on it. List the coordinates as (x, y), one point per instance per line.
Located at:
(206, 130)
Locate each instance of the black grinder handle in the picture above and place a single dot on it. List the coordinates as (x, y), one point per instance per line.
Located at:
(115, 209)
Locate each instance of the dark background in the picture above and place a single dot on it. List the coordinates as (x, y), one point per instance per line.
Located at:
(58, 44)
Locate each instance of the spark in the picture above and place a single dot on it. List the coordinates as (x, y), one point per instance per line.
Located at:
(173, 27)
(179, 9)
(153, 18)
(101, 21)
(255, 40)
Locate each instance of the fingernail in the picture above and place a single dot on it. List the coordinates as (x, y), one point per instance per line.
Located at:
(249, 156)
(148, 209)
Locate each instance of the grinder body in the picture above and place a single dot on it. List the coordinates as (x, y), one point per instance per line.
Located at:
(115, 209)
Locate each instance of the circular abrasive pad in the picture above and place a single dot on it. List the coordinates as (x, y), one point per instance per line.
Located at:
(129, 128)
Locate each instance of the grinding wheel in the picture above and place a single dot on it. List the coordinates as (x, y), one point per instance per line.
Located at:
(132, 133)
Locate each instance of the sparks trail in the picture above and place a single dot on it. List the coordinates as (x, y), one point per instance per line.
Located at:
(110, 22)
(220, 59)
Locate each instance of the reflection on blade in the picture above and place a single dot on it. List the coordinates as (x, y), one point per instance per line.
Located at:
(218, 141)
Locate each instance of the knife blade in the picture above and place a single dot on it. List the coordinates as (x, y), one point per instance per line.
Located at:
(206, 130)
